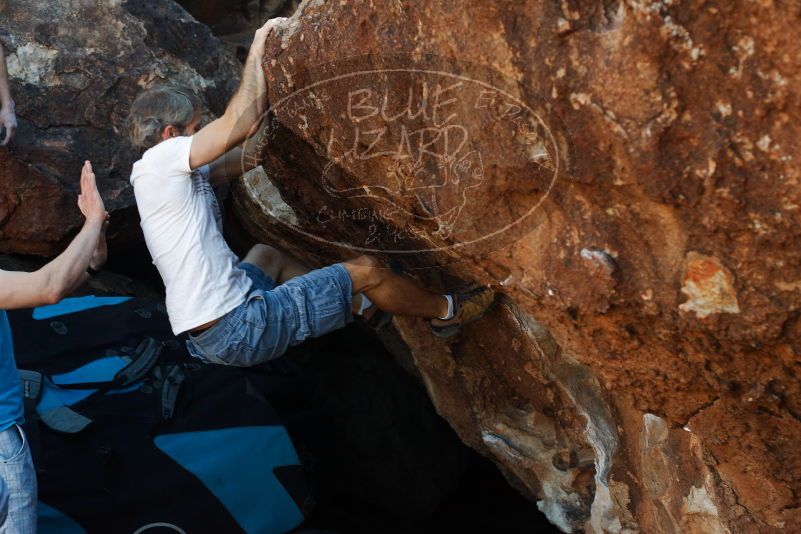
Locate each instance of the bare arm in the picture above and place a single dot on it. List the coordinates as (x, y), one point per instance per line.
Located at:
(238, 160)
(8, 117)
(244, 110)
(61, 276)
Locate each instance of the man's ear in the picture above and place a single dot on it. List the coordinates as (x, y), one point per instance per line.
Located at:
(169, 131)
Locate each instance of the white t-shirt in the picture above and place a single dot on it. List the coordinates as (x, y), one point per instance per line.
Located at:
(183, 231)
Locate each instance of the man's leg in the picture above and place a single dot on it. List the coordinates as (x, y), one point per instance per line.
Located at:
(321, 301)
(392, 292)
(282, 266)
(278, 265)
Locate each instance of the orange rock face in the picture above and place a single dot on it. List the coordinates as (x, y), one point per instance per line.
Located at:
(625, 173)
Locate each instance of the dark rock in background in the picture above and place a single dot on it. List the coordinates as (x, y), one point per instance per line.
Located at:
(234, 22)
(75, 68)
(237, 16)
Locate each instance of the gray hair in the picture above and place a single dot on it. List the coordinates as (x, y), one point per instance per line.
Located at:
(158, 107)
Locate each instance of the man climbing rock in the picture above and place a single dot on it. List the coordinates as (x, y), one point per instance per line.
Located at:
(85, 255)
(250, 312)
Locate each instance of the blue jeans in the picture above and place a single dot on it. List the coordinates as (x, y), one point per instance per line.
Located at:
(273, 318)
(17, 483)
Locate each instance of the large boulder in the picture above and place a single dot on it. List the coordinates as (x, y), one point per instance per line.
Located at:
(625, 173)
(75, 68)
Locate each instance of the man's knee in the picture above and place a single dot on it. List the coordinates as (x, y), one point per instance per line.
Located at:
(366, 272)
(268, 259)
(365, 262)
(263, 253)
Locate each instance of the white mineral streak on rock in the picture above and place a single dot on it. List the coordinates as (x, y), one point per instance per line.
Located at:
(600, 258)
(581, 386)
(533, 448)
(287, 27)
(34, 64)
(698, 511)
(698, 502)
(260, 187)
(709, 287)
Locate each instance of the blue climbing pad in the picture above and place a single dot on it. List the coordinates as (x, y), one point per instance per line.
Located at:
(223, 463)
(236, 465)
(72, 305)
(101, 370)
(52, 521)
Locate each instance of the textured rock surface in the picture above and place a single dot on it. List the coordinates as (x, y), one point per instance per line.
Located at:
(75, 68)
(226, 17)
(641, 373)
(234, 22)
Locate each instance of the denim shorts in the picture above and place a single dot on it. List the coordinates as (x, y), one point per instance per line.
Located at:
(17, 483)
(273, 318)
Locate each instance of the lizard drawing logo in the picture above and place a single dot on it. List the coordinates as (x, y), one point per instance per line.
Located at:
(429, 162)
